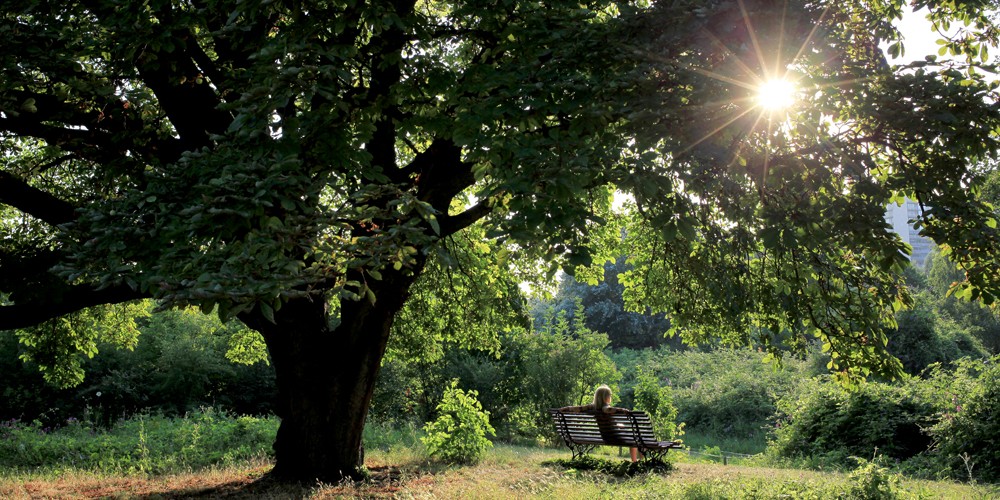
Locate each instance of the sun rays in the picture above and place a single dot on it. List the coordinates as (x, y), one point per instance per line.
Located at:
(769, 86)
(776, 94)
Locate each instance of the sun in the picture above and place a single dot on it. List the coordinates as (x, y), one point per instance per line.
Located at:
(776, 94)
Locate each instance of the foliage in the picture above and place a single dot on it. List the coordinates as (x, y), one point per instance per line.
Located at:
(968, 429)
(781, 241)
(658, 401)
(560, 364)
(606, 310)
(923, 337)
(464, 300)
(459, 319)
(144, 444)
(720, 392)
(960, 315)
(461, 431)
(180, 362)
(871, 480)
(59, 347)
(403, 390)
(942, 424)
(830, 423)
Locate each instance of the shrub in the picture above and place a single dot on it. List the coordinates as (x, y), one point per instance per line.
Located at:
(658, 402)
(968, 432)
(871, 480)
(459, 434)
(723, 392)
(180, 362)
(924, 337)
(832, 421)
(558, 365)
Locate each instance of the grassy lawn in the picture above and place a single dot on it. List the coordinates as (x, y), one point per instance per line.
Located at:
(507, 472)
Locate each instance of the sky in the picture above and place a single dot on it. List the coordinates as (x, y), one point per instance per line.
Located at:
(918, 38)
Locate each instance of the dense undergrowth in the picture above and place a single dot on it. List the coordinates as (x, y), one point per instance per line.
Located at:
(145, 444)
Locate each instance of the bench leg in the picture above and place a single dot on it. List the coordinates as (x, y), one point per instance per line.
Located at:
(653, 456)
(580, 450)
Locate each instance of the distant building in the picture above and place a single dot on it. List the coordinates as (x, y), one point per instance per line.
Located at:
(899, 217)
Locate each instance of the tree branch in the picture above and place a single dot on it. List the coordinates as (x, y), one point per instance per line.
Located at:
(34, 202)
(74, 299)
(451, 224)
(94, 145)
(187, 98)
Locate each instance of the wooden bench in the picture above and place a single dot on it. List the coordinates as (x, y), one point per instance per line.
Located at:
(584, 431)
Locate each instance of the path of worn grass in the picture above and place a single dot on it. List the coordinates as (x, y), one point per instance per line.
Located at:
(508, 472)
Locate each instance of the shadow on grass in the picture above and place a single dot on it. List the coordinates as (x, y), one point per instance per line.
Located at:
(382, 482)
(619, 468)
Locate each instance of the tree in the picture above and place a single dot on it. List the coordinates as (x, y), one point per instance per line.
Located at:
(606, 311)
(560, 363)
(923, 337)
(769, 227)
(297, 165)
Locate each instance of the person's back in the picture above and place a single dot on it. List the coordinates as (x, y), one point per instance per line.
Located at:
(611, 432)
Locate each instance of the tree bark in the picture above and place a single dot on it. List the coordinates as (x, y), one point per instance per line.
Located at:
(326, 377)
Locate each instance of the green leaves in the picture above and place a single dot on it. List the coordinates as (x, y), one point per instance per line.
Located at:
(59, 346)
(461, 432)
(334, 152)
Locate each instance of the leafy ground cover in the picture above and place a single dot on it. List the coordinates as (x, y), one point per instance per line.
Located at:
(505, 472)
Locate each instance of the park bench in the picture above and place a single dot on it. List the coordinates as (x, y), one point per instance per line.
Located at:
(584, 431)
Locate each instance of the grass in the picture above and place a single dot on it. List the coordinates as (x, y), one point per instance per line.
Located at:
(716, 448)
(210, 454)
(506, 472)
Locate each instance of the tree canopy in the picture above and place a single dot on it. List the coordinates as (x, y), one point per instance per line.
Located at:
(297, 165)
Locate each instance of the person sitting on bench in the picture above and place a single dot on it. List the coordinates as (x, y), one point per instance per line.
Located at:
(602, 405)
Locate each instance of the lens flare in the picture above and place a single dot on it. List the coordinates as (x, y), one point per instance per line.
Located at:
(775, 95)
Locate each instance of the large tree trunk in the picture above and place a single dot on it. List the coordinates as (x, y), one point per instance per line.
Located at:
(325, 378)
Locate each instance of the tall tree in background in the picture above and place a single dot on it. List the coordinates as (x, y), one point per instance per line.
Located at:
(296, 164)
(605, 310)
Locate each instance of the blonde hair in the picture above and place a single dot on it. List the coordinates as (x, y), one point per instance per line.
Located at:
(601, 397)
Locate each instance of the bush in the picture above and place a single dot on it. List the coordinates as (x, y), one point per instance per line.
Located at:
(833, 422)
(968, 432)
(181, 362)
(723, 392)
(658, 402)
(560, 364)
(943, 425)
(871, 480)
(459, 434)
(923, 337)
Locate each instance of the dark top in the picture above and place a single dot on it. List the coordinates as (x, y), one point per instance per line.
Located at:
(590, 407)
